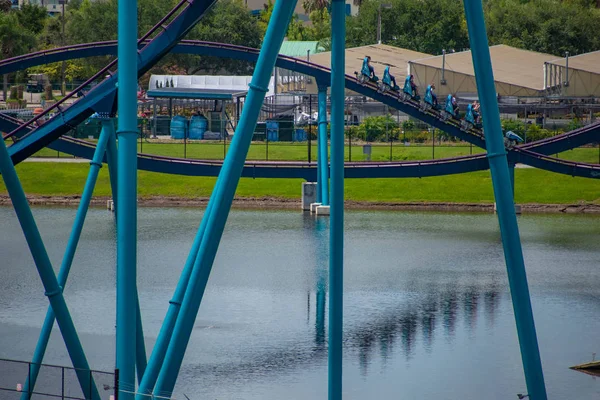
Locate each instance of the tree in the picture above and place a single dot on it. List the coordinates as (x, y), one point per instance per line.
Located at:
(428, 26)
(73, 5)
(229, 22)
(314, 5)
(150, 12)
(14, 40)
(75, 70)
(94, 21)
(296, 29)
(319, 29)
(32, 17)
(546, 26)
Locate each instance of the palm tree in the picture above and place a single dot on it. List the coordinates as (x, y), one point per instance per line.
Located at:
(312, 5)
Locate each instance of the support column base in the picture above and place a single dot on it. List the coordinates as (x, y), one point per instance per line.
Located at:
(313, 207)
(517, 209)
(309, 194)
(322, 210)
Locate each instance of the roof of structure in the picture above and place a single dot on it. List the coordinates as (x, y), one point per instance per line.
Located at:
(511, 65)
(589, 62)
(294, 48)
(381, 56)
(234, 84)
(188, 93)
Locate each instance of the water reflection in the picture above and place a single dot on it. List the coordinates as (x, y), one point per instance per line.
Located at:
(450, 311)
(444, 304)
(321, 264)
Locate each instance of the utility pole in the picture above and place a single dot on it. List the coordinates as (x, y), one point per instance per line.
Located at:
(63, 85)
(381, 5)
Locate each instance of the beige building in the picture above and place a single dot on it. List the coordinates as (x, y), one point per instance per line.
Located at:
(381, 56)
(517, 72)
(581, 80)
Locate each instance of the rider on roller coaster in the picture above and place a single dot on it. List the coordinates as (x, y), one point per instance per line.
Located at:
(389, 78)
(367, 68)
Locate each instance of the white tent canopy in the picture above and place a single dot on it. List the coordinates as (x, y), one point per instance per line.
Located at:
(217, 82)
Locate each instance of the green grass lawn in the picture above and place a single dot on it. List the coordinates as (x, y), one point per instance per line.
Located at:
(293, 151)
(581, 154)
(299, 151)
(532, 186)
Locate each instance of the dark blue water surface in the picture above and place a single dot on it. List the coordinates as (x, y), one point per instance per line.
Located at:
(427, 311)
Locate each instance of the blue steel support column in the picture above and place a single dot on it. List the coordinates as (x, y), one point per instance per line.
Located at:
(319, 169)
(42, 262)
(507, 218)
(166, 331)
(336, 245)
(40, 348)
(223, 197)
(111, 158)
(323, 157)
(127, 198)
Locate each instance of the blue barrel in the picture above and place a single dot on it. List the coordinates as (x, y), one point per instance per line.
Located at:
(272, 135)
(299, 135)
(272, 131)
(198, 125)
(179, 127)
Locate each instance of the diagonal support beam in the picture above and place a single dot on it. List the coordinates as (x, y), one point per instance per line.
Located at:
(44, 267)
(503, 193)
(166, 331)
(223, 197)
(140, 344)
(65, 267)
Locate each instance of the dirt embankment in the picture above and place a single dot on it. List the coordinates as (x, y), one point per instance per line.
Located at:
(278, 203)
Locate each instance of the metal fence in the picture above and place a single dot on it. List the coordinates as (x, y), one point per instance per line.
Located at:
(53, 382)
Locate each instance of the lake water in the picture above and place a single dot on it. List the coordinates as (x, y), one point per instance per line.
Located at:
(427, 308)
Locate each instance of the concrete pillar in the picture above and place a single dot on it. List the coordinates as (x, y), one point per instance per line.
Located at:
(309, 194)
(322, 210)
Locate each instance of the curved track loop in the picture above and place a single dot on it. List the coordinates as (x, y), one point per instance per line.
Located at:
(530, 154)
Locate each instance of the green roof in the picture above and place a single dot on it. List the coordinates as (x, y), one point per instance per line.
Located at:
(293, 48)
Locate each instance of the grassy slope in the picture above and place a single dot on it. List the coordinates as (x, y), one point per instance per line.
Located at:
(532, 186)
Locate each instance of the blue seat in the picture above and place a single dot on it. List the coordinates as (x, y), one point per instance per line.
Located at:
(387, 79)
(428, 96)
(449, 107)
(408, 88)
(510, 135)
(470, 116)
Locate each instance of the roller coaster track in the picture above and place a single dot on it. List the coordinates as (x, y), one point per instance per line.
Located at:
(170, 30)
(533, 154)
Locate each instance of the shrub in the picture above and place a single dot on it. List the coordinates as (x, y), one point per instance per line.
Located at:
(374, 129)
